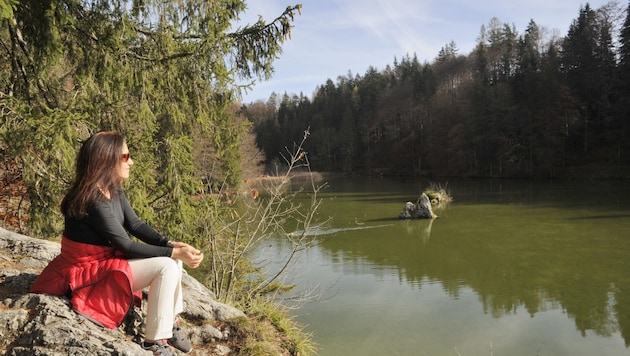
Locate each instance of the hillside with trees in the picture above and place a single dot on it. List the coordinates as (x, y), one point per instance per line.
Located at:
(530, 104)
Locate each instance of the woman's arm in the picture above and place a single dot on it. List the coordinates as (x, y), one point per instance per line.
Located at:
(139, 228)
(109, 226)
(178, 250)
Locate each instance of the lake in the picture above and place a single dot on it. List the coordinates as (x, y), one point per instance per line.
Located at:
(510, 267)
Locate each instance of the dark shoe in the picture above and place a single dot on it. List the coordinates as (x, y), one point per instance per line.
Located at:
(159, 348)
(179, 340)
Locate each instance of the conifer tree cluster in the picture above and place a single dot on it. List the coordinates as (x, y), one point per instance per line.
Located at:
(163, 73)
(529, 104)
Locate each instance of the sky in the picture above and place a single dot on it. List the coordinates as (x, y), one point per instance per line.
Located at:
(333, 38)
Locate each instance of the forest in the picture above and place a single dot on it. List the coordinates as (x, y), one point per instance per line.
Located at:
(520, 105)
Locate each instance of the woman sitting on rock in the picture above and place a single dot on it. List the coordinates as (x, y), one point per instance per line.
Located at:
(100, 267)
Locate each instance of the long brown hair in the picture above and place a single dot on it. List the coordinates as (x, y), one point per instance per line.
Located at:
(96, 171)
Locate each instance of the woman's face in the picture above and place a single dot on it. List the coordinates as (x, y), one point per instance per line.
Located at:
(125, 162)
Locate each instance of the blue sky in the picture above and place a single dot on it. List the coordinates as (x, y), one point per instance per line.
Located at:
(335, 37)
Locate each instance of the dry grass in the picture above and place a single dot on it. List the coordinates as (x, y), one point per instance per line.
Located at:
(438, 195)
(263, 185)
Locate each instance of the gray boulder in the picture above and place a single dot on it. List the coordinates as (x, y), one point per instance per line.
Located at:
(420, 210)
(44, 325)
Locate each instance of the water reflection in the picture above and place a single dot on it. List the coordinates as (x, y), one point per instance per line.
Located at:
(420, 228)
(534, 249)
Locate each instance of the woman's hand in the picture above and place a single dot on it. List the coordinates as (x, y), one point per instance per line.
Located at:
(177, 244)
(187, 254)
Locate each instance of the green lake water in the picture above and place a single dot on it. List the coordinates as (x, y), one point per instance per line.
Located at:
(509, 268)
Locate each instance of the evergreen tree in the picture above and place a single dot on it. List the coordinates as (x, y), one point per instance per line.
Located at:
(587, 59)
(162, 73)
(624, 52)
(6, 8)
(622, 107)
(449, 51)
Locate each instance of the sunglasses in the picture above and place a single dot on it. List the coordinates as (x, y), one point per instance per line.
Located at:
(126, 156)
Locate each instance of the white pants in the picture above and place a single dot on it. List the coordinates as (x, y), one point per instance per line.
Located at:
(163, 276)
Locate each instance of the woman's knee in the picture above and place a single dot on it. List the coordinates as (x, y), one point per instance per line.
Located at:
(168, 265)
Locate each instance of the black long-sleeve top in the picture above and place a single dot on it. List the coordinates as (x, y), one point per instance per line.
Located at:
(108, 223)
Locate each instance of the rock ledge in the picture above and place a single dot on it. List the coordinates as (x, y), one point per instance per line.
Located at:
(44, 325)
